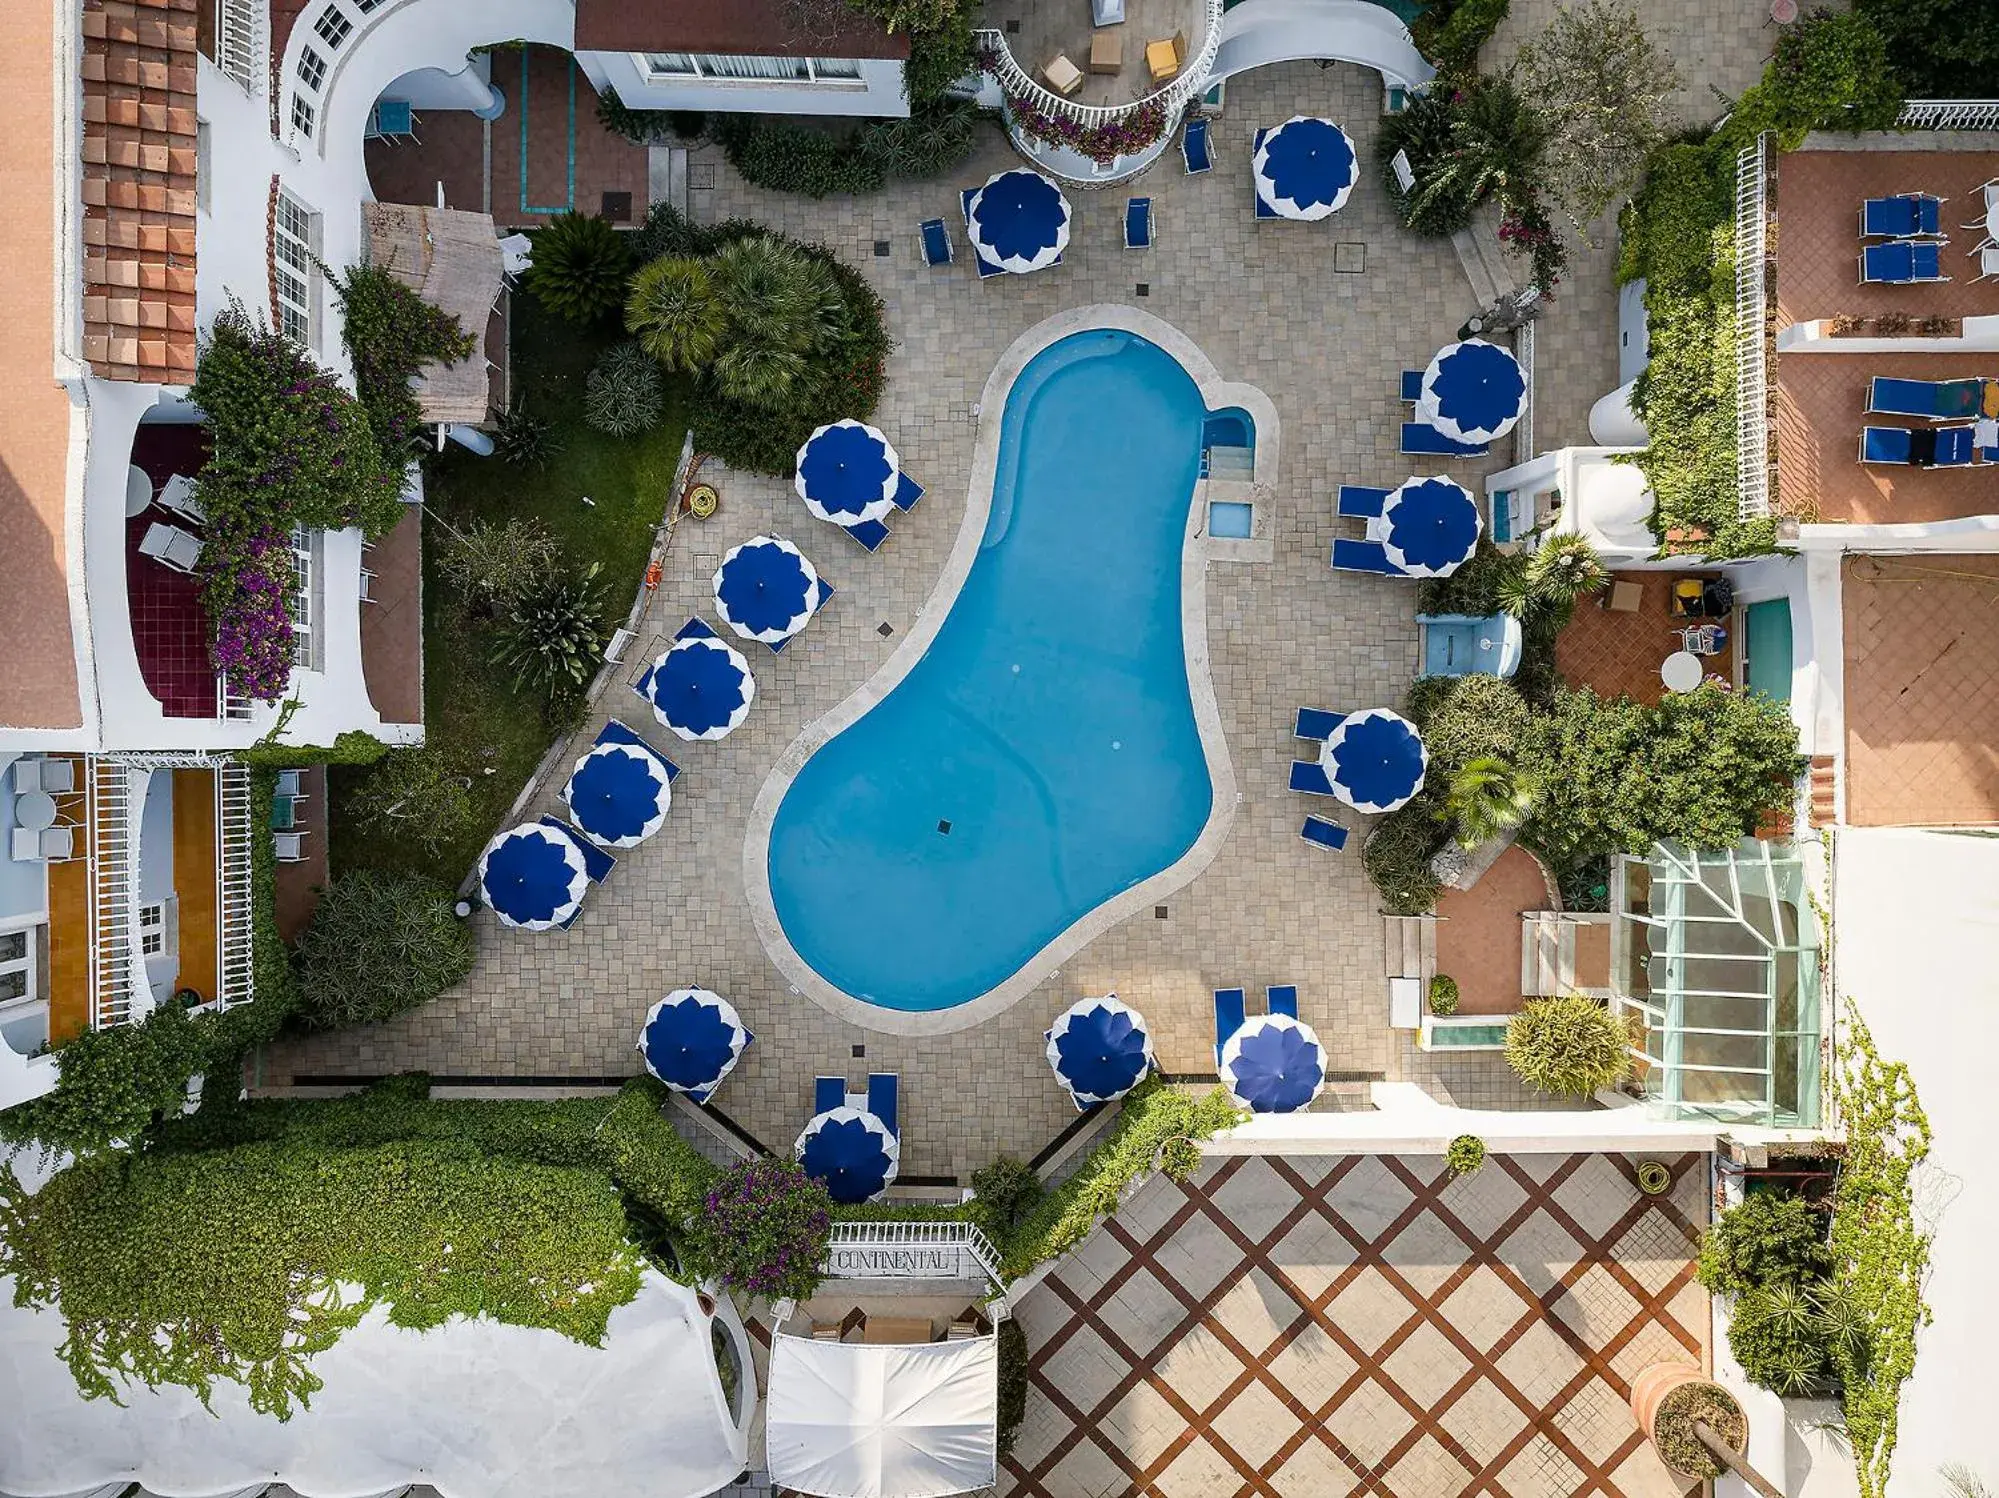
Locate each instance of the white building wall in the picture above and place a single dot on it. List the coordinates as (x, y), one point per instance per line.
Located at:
(878, 93)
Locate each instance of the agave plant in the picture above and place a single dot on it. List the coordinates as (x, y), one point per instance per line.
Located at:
(555, 637)
(673, 311)
(1564, 568)
(623, 394)
(525, 439)
(1487, 796)
(579, 266)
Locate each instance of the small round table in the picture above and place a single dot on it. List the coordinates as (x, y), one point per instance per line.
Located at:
(138, 491)
(1681, 671)
(35, 810)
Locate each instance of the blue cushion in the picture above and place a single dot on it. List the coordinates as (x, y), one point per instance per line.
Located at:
(1282, 999)
(1422, 439)
(1317, 724)
(1137, 223)
(936, 242)
(1888, 262)
(882, 1098)
(869, 533)
(1229, 1008)
(1310, 777)
(828, 1093)
(1363, 556)
(1953, 449)
(1886, 445)
(1325, 834)
(1412, 385)
(1358, 502)
(1888, 216)
(1194, 148)
(696, 628)
(907, 492)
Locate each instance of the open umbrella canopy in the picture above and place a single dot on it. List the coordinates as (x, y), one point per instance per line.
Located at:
(701, 688)
(1305, 168)
(1473, 391)
(1019, 221)
(618, 794)
(1099, 1049)
(533, 877)
(765, 589)
(1375, 760)
(1273, 1064)
(851, 1150)
(692, 1039)
(847, 473)
(1429, 527)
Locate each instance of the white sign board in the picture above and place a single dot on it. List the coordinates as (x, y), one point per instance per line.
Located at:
(903, 1261)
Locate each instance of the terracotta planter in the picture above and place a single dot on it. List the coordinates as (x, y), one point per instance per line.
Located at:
(1651, 1389)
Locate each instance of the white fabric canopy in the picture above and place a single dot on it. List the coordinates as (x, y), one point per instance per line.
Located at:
(857, 1420)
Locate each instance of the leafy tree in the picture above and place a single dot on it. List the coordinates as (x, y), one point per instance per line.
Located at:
(673, 311)
(554, 638)
(1938, 49)
(419, 793)
(380, 943)
(1568, 1044)
(1488, 797)
(623, 393)
(493, 564)
(1563, 568)
(1463, 145)
(579, 265)
(391, 333)
(782, 306)
(1765, 1239)
(1475, 717)
(1795, 1338)
(1602, 87)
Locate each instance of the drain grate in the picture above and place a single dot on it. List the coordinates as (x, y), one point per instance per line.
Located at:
(860, 1053)
(1159, 912)
(1143, 288)
(884, 629)
(881, 249)
(944, 827)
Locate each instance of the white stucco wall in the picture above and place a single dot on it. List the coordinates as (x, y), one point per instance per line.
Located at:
(879, 92)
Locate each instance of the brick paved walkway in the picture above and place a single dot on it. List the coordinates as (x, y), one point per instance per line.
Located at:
(1312, 1327)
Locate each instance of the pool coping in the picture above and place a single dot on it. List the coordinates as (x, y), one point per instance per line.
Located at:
(1198, 551)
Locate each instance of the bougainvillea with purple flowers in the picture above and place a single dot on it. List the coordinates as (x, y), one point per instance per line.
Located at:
(763, 1228)
(1121, 135)
(246, 593)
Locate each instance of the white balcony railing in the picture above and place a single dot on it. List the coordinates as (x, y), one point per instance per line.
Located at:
(912, 1251)
(240, 44)
(113, 891)
(235, 826)
(1949, 114)
(1017, 83)
(1752, 399)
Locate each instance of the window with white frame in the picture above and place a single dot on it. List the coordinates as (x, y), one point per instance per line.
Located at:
(18, 979)
(311, 69)
(304, 117)
(303, 612)
(726, 67)
(333, 27)
(295, 269)
(152, 930)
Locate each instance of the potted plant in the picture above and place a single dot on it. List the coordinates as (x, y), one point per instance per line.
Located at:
(1694, 1424)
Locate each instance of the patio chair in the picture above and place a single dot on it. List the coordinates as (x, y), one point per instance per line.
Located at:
(614, 732)
(1938, 400)
(516, 255)
(1901, 262)
(1194, 148)
(1229, 1009)
(1138, 223)
(392, 120)
(368, 587)
(1282, 998)
(1316, 724)
(1953, 447)
(1263, 209)
(1107, 49)
(1357, 502)
(986, 267)
(867, 534)
(821, 591)
(882, 1089)
(1887, 445)
(1309, 777)
(936, 242)
(1061, 75)
(291, 783)
(1420, 439)
(1988, 262)
(828, 1093)
(180, 495)
(1326, 834)
(1703, 639)
(1166, 57)
(1412, 386)
(55, 775)
(290, 846)
(597, 864)
(1899, 217)
(1363, 556)
(907, 492)
(171, 546)
(1988, 197)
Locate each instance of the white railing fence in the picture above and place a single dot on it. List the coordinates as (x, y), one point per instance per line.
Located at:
(1523, 431)
(239, 43)
(1949, 114)
(235, 827)
(112, 890)
(912, 1250)
(1752, 401)
(1018, 83)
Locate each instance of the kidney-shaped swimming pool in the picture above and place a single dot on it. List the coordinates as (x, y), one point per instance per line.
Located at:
(1042, 756)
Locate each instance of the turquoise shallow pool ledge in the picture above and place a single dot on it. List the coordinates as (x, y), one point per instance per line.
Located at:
(1217, 394)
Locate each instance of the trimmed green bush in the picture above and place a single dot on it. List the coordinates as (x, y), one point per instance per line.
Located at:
(1938, 49)
(579, 267)
(380, 943)
(624, 393)
(1397, 856)
(1475, 717)
(781, 155)
(1012, 1382)
(1006, 1191)
(1765, 1239)
(1443, 996)
(1464, 1154)
(1569, 1044)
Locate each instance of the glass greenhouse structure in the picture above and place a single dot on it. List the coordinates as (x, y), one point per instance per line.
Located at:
(1717, 957)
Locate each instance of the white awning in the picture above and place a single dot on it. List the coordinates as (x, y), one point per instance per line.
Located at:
(858, 1420)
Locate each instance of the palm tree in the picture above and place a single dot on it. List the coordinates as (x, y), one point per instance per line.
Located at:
(782, 307)
(1488, 796)
(1563, 568)
(674, 312)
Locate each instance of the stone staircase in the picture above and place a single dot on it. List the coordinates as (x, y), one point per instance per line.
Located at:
(1411, 946)
(1824, 790)
(666, 176)
(1231, 464)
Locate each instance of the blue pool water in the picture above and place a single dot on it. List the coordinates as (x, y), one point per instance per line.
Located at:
(1049, 727)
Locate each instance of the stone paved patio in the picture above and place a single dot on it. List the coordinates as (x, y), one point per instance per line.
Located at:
(1311, 1327)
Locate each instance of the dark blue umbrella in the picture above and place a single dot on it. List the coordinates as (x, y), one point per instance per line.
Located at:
(1019, 221)
(618, 794)
(1473, 392)
(701, 688)
(692, 1039)
(765, 589)
(1273, 1064)
(1099, 1049)
(852, 1151)
(533, 877)
(1429, 527)
(1305, 168)
(847, 473)
(1375, 760)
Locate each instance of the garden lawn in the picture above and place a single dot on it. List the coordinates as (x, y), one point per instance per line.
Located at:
(487, 729)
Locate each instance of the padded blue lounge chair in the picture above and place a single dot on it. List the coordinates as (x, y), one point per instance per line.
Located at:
(1357, 502)
(1282, 998)
(1228, 1018)
(882, 1088)
(1138, 223)
(1412, 386)
(1901, 262)
(822, 591)
(1952, 447)
(1363, 556)
(1899, 217)
(597, 864)
(694, 629)
(867, 534)
(1326, 834)
(1420, 439)
(1316, 724)
(1887, 445)
(828, 1093)
(1938, 400)
(615, 732)
(1263, 209)
(1194, 149)
(936, 242)
(986, 267)
(907, 492)
(1309, 776)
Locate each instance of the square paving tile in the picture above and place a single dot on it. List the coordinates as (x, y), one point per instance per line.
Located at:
(1540, 1471)
(1255, 1424)
(1370, 1310)
(1257, 1199)
(1198, 1472)
(1539, 1363)
(1596, 1307)
(1085, 1369)
(1369, 1198)
(1141, 1312)
(1485, 1308)
(1313, 1366)
(1255, 1311)
(1197, 1368)
(1369, 1422)
(1484, 1421)
(1426, 1470)
(1426, 1365)
(1596, 1195)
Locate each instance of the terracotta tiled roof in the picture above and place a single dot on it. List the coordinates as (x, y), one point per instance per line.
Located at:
(774, 28)
(139, 64)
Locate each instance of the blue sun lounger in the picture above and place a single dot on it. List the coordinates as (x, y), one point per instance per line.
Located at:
(986, 267)
(1194, 148)
(869, 534)
(1263, 209)
(1901, 262)
(1282, 998)
(1900, 217)
(615, 732)
(822, 591)
(1887, 445)
(1138, 224)
(1228, 1018)
(1357, 502)
(1938, 400)
(1953, 448)
(1326, 834)
(1363, 556)
(828, 1093)
(1412, 386)
(1309, 776)
(882, 1098)
(1420, 439)
(1316, 724)
(936, 242)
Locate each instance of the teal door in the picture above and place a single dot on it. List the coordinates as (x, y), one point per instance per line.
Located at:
(1766, 647)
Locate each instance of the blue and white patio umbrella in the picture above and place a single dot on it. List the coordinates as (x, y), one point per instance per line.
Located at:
(1019, 221)
(1099, 1048)
(1429, 527)
(765, 589)
(533, 877)
(693, 1039)
(1273, 1064)
(851, 1150)
(847, 473)
(701, 688)
(618, 795)
(1305, 168)
(1375, 760)
(1473, 392)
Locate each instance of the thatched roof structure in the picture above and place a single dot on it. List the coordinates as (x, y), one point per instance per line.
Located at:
(451, 259)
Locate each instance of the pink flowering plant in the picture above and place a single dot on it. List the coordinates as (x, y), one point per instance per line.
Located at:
(763, 1228)
(1103, 143)
(246, 593)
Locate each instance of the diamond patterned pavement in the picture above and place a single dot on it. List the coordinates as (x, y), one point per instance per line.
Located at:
(1365, 1325)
